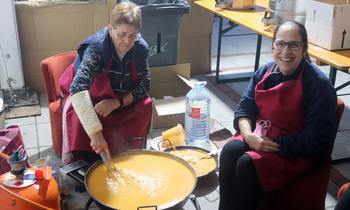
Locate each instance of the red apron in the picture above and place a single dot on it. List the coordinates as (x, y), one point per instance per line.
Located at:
(125, 128)
(282, 106)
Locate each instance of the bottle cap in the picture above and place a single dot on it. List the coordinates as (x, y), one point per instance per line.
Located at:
(39, 174)
(200, 83)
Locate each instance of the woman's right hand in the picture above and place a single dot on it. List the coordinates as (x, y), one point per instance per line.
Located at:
(99, 144)
(259, 142)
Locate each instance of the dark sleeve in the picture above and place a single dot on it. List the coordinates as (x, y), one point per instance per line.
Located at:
(320, 103)
(143, 84)
(90, 66)
(247, 106)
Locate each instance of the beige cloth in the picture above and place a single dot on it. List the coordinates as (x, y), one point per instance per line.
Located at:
(82, 105)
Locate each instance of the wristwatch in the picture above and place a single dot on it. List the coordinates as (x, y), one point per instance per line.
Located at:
(121, 101)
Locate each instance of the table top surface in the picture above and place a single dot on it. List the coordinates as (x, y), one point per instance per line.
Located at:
(252, 19)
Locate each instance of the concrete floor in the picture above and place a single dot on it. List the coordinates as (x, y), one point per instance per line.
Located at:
(237, 56)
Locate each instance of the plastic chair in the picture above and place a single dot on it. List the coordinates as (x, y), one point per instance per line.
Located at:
(307, 191)
(52, 69)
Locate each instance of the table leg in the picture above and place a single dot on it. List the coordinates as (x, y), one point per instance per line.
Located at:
(332, 75)
(220, 35)
(342, 86)
(257, 55)
(219, 51)
(341, 160)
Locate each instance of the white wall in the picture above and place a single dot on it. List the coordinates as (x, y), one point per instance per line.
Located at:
(10, 54)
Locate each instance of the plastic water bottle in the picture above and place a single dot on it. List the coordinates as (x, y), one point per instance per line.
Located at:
(197, 116)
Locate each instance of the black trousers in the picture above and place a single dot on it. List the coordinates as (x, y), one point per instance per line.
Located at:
(240, 188)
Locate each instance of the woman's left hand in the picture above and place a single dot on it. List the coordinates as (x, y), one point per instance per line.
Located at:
(260, 143)
(106, 106)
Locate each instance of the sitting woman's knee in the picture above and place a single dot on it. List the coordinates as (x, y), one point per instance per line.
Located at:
(245, 166)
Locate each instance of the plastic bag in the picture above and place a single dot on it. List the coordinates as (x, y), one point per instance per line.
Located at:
(11, 139)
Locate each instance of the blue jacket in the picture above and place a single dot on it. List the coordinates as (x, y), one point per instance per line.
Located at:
(320, 103)
(119, 71)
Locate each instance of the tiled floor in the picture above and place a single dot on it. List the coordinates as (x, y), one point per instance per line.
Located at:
(238, 54)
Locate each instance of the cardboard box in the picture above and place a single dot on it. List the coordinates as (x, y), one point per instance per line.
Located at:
(197, 23)
(166, 82)
(196, 30)
(327, 23)
(49, 28)
(197, 51)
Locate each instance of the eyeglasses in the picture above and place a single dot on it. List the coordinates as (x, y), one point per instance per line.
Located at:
(126, 37)
(293, 45)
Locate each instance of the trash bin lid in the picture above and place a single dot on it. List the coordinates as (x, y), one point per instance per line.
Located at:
(163, 7)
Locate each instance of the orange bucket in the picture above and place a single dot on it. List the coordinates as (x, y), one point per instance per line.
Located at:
(176, 136)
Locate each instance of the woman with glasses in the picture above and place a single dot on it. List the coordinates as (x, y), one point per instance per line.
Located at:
(106, 107)
(285, 123)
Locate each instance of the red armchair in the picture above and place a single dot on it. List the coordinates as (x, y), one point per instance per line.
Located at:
(342, 189)
(305, 192)
(51, 69)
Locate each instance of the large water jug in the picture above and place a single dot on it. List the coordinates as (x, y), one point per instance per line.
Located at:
(197, 116)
